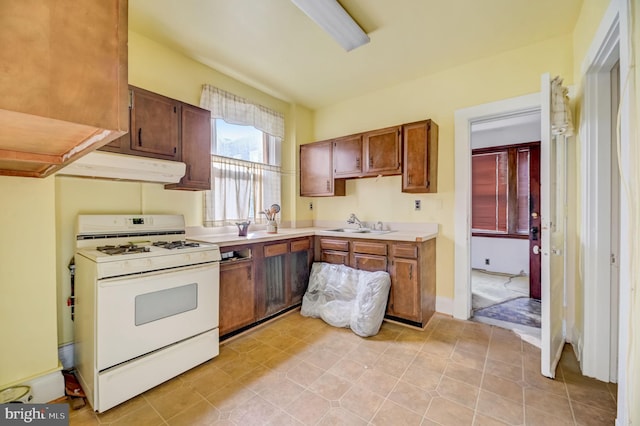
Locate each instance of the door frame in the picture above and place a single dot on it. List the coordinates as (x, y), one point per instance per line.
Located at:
(611, 40)
(462, 212)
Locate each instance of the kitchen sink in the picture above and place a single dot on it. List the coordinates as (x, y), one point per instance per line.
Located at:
(358, 231)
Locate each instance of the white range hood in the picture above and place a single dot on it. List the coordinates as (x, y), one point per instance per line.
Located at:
(107, 165)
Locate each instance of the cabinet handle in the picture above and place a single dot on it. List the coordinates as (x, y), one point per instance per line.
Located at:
(175, 149)
(249, 274)
(409, 180)
(410, 272)
(140, 136)
(328, 185)
(370, 161)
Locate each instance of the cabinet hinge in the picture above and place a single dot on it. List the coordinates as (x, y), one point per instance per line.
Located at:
(175, 150)
(175, 109)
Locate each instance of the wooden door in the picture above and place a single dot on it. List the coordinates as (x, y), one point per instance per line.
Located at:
(300, 261)
(347, 156)
(316, 171)
(196, 149)
(155, 125)
(404, 297)
(237, 307)
(420, 157)
(534, 223)
(382, 151)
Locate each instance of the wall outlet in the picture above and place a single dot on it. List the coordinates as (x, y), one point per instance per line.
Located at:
(310, 205)
(417, 205)
(487, 262)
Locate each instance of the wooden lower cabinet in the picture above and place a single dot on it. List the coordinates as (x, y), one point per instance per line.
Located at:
(271, 280)
(237, 295)
(411, 267)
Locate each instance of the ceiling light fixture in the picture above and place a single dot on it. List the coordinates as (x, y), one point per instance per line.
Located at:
(332, 18)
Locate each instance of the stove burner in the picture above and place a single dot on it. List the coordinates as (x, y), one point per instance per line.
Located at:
(123, 249)
(180, 244)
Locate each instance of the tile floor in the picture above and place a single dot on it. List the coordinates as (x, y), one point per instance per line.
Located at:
(300, 371)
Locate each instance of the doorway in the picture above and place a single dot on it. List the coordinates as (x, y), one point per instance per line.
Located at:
(505, 188)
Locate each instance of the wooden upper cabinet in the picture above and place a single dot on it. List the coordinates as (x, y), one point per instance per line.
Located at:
(155, 125)
(195, 141)
(64, 81)
(420, 157)
(316, 171)
(381, 150)
(347, 156)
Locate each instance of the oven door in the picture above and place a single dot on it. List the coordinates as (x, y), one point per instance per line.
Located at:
(138, 314)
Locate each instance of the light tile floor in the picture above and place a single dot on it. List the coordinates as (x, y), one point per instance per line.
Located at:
(301, 371)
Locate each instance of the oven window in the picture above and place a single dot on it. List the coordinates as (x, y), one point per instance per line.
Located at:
(166, 303)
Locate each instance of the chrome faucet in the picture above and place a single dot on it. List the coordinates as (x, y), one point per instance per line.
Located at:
(378, 223)
(353, 219)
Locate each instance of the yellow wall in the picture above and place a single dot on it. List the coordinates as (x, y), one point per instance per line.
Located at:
(436, 96)
(588, 21)
(27, 279)
(161, 70)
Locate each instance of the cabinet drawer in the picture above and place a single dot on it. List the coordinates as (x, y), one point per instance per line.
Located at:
(335, 257)
(371, 263)
(275, 249)
(299, 245)
(329, 244)
(409, 251)
(368, 247)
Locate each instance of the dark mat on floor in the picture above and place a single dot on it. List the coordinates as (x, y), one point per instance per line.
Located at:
(522, 310)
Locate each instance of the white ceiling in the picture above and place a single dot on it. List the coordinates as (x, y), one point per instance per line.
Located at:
(275, 47)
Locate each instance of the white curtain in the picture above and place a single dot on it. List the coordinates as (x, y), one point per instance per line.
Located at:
(240, 189)
(236, 110)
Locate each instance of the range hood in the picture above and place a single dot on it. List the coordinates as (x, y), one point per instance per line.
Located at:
(107, 165)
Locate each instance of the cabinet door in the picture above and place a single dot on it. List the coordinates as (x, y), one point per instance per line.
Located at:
(347, 156)
(382, 151)
(369, 262)
(275, 296)
(420, 157)
(316, 171)
(196, 149)
(300, 267)
(154, 125)
(404, 298)
(237, 307)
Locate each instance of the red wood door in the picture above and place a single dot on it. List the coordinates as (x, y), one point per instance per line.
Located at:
(534, 223)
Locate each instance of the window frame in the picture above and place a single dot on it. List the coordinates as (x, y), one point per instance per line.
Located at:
(512, 189)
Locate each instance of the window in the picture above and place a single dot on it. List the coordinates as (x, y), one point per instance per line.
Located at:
(501, 189)
(245, 159)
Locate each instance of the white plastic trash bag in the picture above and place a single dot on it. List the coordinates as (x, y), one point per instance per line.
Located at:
(347, 297)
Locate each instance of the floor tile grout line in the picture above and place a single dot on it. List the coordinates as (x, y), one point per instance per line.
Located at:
(566, 389)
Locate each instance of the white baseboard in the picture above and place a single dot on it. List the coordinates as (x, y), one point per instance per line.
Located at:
(65, 355)
(577, 344)
(46, 388)
(444, 305)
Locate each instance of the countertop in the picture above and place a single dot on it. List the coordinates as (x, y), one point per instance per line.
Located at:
(231, 239)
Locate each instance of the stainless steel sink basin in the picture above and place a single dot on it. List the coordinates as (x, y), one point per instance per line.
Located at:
(358, 231)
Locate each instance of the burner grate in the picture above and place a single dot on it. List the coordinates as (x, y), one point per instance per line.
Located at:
(179, 244)
(123, 249)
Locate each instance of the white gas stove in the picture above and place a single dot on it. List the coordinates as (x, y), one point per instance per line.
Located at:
(146, 304)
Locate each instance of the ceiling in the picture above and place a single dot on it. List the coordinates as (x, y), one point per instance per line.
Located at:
(273, 46)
